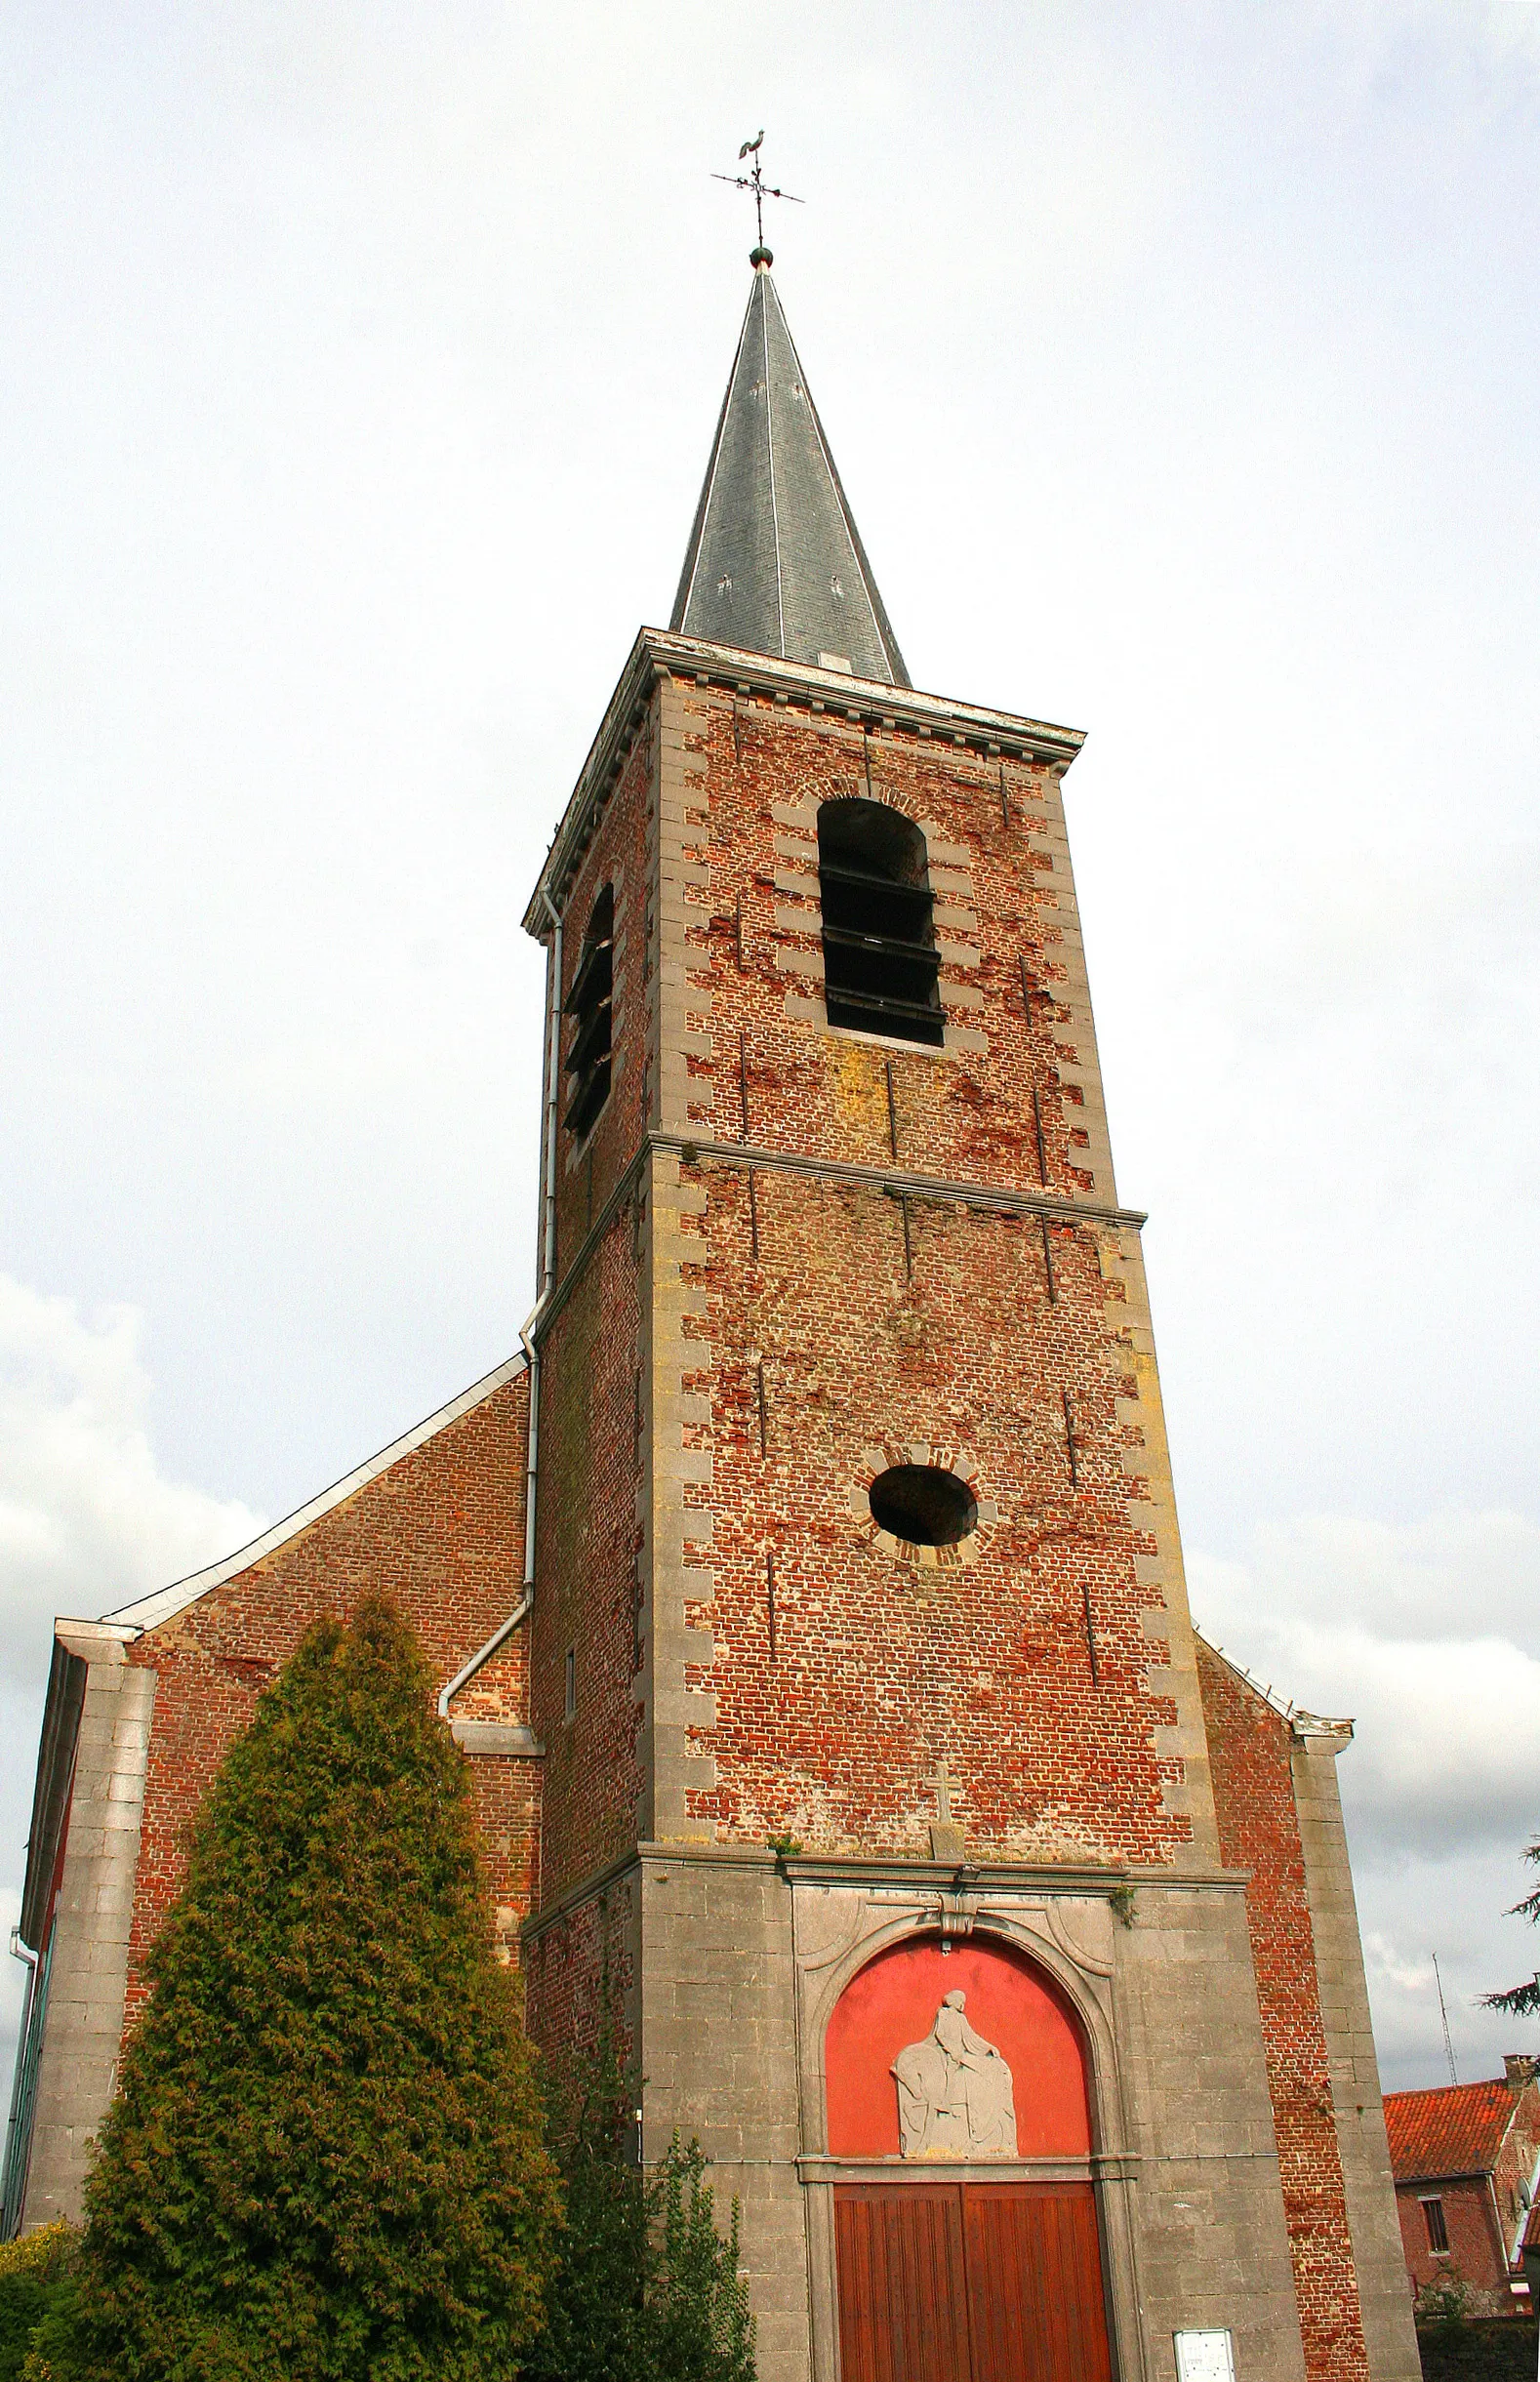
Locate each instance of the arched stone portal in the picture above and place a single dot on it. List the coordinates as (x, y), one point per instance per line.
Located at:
(978, 2257)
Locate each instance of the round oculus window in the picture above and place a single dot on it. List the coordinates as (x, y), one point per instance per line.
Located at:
(923, 1505)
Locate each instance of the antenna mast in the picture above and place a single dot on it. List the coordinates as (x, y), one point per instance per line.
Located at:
(1448, 2047)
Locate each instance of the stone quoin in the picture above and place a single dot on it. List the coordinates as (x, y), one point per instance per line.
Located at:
(807, 1595)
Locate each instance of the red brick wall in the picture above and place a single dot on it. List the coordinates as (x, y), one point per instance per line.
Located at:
(961, 1348)
(1259, 1831)
(579, 1963)
(588, 1535)
(442, 1532)
(881, 1664)
(588, 1519)
(968, 1119)
(1474, 2255)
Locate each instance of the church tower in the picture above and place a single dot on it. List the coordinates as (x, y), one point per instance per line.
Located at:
(806, 1597)
(994, 1936)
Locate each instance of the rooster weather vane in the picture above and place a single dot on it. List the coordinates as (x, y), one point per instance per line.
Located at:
(756, 182)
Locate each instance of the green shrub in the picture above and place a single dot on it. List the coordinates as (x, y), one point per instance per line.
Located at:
(645, 2289)
(324, 2160)
(699, 2325)
(594, 2305)
(31, 2271)
(1446, 2302)
(1499, 2349)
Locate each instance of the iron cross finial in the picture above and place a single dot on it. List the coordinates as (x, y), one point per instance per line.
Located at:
(756, 182)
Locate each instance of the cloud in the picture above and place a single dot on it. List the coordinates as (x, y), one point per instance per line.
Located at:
(1449, 1575)
(87, 1519)
(1428, 1635)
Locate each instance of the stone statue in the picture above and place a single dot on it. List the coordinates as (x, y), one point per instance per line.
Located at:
(956, 2094)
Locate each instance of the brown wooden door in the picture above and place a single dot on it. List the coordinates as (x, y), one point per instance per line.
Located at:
(970, 2283)
(903, 2287)
(1034, 2263)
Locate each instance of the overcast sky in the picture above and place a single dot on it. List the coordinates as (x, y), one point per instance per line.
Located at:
(358, 365)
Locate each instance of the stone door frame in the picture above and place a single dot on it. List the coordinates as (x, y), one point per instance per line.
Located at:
(841, 1919)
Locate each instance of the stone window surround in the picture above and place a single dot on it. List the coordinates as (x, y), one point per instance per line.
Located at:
(955, 919)
(874, 1461)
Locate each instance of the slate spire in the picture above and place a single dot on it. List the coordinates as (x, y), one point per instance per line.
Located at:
(775, 562)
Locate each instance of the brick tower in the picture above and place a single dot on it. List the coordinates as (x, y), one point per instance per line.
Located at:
(879, 1753)
(808, 1601)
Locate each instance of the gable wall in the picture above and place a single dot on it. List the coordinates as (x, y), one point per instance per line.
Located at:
(1517, 2162)
(442, 1532)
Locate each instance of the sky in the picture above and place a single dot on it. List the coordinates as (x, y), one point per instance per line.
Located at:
(358, 365)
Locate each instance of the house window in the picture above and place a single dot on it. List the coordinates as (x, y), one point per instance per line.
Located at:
(570, 1693)
(880, 954)
(1438, 2229)
(589, 1002)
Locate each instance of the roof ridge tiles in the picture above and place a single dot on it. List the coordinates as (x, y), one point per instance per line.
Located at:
(1449, 2130)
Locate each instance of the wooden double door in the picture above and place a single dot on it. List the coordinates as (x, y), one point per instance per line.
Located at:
(970, 2283)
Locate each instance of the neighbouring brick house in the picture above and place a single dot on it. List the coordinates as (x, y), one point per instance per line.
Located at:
(1466, 2159)
(808, 1595)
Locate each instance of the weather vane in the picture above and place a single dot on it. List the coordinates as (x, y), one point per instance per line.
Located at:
(756, 182)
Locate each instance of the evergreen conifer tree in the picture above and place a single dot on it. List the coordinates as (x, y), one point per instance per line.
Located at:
(324, 2162)
(596, 2319)
(1522, 2000)
(646, 2289)
(699, 2325)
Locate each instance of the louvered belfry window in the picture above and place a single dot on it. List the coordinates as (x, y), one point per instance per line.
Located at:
(589, 1002)
(879, 955)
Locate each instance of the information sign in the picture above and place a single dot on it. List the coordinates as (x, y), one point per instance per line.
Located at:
(1205, 2357)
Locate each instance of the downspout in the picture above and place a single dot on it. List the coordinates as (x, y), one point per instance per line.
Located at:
(547, 1259)
(1502, 2238)
(483, 1654)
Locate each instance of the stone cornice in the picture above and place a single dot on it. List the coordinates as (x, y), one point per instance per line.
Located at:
(820, 2168)
(980, 1879)
(864, 701)
(924, 1879)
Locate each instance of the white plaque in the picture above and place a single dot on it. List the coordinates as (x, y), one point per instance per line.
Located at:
(1205, 2357)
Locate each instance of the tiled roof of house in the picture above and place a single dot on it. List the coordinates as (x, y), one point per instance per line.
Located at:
(1455, 2131)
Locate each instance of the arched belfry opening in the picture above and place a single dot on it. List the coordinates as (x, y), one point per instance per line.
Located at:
(590, 1002)
(881, 964)
(961, 2068)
